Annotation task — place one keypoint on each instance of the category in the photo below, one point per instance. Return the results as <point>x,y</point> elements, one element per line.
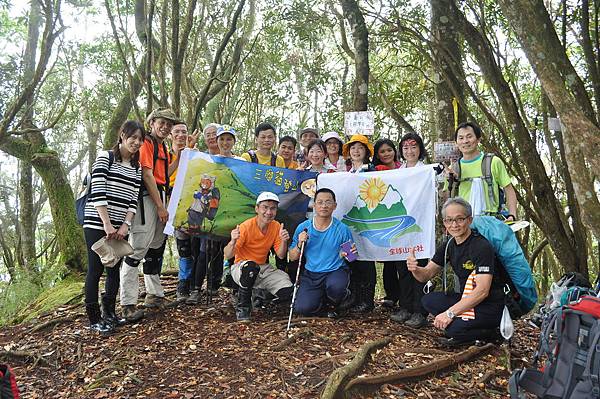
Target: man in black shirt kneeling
<point>475,314</point>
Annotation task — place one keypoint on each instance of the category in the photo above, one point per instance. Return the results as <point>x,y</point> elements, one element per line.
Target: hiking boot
<point>417,320</point>
<point>182,297</point>
<point>332,314</point>
<point>400,316</point>
<point>131,314</point>
<point>183,290</point>
<point>153,301</point>
<point>362,308</point>
<point>242,314</point>
<point>97,323</point>
<point>242,311</point>
<point>388,303</point>
<point>109,313</point>
<point>194,298</point>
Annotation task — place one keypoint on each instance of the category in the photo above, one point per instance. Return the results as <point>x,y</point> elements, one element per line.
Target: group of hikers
<point>130,186</point>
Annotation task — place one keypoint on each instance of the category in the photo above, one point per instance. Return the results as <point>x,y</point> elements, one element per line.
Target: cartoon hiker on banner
<point>205,204</point>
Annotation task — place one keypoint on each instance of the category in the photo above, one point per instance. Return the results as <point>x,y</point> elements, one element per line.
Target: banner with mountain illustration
<point>388,212</point>
<point>213,194</point>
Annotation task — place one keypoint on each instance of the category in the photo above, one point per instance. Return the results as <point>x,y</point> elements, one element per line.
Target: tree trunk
<point>449,70</point>
<point>360,38</point>
<point>62,205</point>
<point>566,90</point>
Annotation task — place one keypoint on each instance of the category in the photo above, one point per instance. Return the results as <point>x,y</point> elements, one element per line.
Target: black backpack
<point>254,158</point>
<point>570,342</point>
<point>87,186</point>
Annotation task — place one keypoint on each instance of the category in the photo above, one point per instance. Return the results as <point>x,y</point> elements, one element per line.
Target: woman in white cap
<point>226,138</point>
<point>334,160</point>
<point>115,181</point>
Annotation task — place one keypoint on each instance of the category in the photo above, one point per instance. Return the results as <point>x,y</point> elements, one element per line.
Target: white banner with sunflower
<point>388,212</point>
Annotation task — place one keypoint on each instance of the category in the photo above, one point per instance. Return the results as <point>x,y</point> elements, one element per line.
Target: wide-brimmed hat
<point>332,135</point>
<point>267,196</point>
<point>111,251</point>
<point>165,113</point>
<point>357,138</point>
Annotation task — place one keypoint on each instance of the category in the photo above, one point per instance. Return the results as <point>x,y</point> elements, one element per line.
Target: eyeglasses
<point>324,203</point>
<point>458,220</point>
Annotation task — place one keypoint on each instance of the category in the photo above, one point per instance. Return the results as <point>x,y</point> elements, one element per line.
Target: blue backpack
<point>513,260</point>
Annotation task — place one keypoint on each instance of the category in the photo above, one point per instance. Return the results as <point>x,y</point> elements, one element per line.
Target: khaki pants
<point>269,278</point>
<point>142,237</point>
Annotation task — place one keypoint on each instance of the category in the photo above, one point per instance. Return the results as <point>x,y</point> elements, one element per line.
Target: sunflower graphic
<point>372,191</point>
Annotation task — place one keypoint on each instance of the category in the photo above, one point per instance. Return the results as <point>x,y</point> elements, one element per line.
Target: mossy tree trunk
<point>27,143</point>
<point>360,38</point>
<point>449,71</point>
<point>567,92</point>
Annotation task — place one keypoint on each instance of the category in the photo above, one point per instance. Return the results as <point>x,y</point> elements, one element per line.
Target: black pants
<point>208,259</point>
<point>96,268</point>
<point>487,316</point>
<point>400,285</point>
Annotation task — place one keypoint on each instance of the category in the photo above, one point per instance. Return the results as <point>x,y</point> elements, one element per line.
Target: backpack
<point>512,258</point>
<point>87,188</point>
<point>486,175</point>
<point>8,383</point>
<point>520,293</point>
<point>254,158</point>
<point>570,341</point>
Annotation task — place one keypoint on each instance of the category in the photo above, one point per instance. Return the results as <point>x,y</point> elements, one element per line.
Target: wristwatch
<point>450,314</point>
<point>128,223</point>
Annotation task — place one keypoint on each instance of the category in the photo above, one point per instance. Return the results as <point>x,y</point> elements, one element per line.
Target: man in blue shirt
<point>326,275</point>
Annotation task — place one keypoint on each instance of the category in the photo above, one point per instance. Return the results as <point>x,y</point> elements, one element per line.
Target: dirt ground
<point>202,352</point>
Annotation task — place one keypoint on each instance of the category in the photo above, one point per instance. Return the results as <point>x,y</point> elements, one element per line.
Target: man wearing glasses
<point>324,282</point>
<point>475,314</point>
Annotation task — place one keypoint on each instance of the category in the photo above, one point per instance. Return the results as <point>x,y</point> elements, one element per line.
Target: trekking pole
<point>208,271</point>
<point>296,283</point>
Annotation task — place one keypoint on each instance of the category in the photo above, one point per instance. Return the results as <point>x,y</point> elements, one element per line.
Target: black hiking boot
<point>244,305</point>
<point>97,323</point>
<point>109,313</point>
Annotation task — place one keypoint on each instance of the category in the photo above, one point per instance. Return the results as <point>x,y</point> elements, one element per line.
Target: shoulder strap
<point>166,152</point>
<point>253,156</point>
<point>154,149</point>
<point>454,180</point>
<point>486,174</point>
<point>111,158</point>
<point>273,159</point>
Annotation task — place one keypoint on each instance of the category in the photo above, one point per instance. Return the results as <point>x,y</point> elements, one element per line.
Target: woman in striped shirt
<point>111,205</point>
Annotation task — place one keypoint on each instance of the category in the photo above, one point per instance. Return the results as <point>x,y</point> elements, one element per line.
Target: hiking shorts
<point>269,278</point>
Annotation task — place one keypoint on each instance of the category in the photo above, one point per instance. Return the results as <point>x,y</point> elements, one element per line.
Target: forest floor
<point>202,352</point>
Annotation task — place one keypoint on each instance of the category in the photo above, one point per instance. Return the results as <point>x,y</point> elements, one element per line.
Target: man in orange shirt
<point>146,235</point>
<point>250,243</point>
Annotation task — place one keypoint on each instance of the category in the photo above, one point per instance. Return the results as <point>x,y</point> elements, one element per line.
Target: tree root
<point>52,322</point>
<point>336,382</point>
<point>420,371</point>
<point>23,355</point>
<point>288,341</point>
